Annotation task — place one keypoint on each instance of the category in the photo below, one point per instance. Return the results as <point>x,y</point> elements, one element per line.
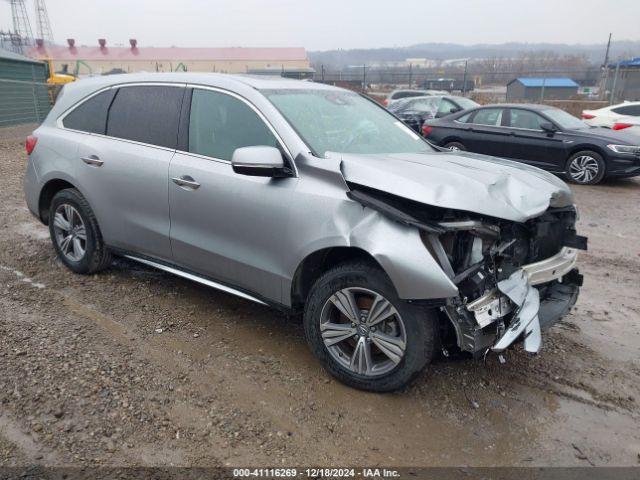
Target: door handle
<point>186,181</point>
<point>92,160</point>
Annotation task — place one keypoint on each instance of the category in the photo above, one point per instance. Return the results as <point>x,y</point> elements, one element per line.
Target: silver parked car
<point>312,199</point>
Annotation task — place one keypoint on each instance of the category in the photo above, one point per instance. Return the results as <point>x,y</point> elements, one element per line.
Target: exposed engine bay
<point>514,278</point>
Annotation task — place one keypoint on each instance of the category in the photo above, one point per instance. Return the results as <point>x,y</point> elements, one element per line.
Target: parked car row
<point>414,111</point>
<point>400,94</point>
<point>538,135</point>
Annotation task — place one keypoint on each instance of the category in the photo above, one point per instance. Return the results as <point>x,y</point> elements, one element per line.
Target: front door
<point>532,145</point>
<point>225,225</point>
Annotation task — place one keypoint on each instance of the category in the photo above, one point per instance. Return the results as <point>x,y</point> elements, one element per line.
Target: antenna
<point>21,25</point>
<point>42,21</point>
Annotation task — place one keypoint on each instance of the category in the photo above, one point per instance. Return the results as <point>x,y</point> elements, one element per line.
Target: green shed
<point>24,93</point>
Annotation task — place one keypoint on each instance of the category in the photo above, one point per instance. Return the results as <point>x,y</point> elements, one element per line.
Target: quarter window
<point>91,115</point>
<point>525,119</point>
<point>631,110</point>
<point>220,123</point>
<point>488,116</point>
<point>146,113</point>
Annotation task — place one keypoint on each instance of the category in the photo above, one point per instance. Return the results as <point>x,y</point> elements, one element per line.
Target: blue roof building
<point>624,80</point>
<point>531,89</point>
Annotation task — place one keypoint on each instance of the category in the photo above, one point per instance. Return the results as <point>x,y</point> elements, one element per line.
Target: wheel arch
<point>588,147</point>
<point>451,138</point>
<point>317,263</point>
<point>47,192</point>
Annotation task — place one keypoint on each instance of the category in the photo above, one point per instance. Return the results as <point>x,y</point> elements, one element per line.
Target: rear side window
<point>220,123</point>
<point>91,115</point>
<point>488,116</point>
<point>147,114</point>
<point>631,110</point>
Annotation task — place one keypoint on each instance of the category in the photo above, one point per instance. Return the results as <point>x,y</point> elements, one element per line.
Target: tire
<point>455,146</point>
<point>585,168</point>
<point>85,252</point>
<point>413,325</point>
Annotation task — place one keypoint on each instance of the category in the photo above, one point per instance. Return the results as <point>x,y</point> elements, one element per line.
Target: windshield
<point>565,120</point>
<point>344,122</point>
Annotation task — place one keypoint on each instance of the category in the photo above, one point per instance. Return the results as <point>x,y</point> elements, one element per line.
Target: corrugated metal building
<point>627,83</point>
<point>24,94</point>
<point>101,59</point>
<point>536,89</point>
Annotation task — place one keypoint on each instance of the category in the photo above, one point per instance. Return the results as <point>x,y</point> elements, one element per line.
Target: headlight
<point>630,149</point>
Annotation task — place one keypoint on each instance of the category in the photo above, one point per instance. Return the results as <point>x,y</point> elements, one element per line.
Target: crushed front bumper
<point>534,307</point>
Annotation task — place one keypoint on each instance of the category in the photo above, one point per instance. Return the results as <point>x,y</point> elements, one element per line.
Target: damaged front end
<point>514,279</point>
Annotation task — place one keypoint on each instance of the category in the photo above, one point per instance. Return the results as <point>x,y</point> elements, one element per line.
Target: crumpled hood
<point>461,181</point>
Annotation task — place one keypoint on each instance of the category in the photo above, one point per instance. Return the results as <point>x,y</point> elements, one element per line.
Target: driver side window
<point>220,123</point>
<point>525,119</point>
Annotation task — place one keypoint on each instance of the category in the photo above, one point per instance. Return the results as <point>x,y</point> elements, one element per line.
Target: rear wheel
<point>585,168</point>
<point>455,146</point>
<point>75,233</point>
<point>362,333</point>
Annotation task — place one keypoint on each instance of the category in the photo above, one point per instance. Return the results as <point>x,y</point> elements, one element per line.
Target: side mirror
<point>259,162</point>
<point>548,127</point>
<point>455,110</point>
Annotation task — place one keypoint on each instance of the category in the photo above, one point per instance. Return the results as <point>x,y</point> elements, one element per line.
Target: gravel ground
<point>133,367</point>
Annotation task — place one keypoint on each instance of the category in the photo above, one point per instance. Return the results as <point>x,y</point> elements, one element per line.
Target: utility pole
<point>364,77</point>
<point>464,78</point>
<point>604,76</point>
<point>613,87</point>
<point>322,70</point>
<point>544,81</point>
<point>410,74</point>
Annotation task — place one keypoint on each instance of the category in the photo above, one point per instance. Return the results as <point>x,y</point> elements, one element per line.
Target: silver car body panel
<point>254,233</point>
<point>495,187</point>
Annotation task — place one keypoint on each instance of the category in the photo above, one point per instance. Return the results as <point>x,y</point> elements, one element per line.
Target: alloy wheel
<point>363,331</point>
<point>70,232</point>
<point>584,169</point>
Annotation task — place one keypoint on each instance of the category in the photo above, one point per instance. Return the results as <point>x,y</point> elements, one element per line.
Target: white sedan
<point>628,124</point>
<point>609,116</point>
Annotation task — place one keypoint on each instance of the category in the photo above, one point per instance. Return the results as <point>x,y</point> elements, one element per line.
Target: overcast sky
<point>330,24</point>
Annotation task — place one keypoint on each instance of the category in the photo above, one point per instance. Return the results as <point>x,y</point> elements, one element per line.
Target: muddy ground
<point>86,379</point>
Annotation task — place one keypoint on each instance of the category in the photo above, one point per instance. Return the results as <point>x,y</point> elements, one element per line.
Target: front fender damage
<point>513,278</point>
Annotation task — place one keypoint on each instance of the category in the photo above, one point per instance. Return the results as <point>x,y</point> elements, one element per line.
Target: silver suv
<point>312,199</point>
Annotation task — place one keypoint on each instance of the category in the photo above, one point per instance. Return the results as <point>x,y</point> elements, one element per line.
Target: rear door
<point>225,225</point>
<point>124,172</point>
<point>485,133</point>
<point>530,144</point>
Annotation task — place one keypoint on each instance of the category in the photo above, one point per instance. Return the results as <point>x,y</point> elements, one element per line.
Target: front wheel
<point>585,168</point>
<point>362,333</point>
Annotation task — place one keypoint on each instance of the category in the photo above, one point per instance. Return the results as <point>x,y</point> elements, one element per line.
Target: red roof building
<point>100,59</point>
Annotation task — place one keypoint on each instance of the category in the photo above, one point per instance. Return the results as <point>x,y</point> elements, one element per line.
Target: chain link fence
<point>23,101</point>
